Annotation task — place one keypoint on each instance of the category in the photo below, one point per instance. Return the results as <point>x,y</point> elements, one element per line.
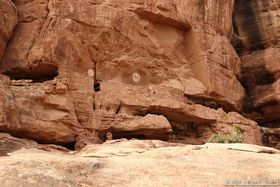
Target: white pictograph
<point>90,73</point>
<point>136,77</point>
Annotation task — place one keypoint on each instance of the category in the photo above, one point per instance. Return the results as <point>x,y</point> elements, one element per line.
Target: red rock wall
<point>257,28</point>
<point>8,20</point>
<point>167,70</point>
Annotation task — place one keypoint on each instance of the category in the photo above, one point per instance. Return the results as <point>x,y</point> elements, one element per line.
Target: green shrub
<point>237,129</point>
<point>236,136</point>
<point>218,138</point>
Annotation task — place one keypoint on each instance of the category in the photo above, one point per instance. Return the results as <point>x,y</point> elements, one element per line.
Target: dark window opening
<point>96,87</point>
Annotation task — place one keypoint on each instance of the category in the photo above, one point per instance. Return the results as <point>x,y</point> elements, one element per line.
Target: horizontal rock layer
<point>81,72</point>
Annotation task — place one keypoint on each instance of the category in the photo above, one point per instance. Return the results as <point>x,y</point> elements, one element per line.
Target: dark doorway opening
<point>96,87</point>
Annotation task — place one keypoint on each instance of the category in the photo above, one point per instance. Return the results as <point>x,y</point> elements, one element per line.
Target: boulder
<point>37,112</point>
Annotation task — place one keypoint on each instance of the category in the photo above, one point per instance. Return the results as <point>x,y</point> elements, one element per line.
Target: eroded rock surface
<point>164,70</point>
<point>149,162</point>
<point>127,85</point>
<point>38,111</point>
<point>160,66</point>
<point>118,104</point>
<point>257,40</point>
<point>8,20</point>
<point>120,38</point>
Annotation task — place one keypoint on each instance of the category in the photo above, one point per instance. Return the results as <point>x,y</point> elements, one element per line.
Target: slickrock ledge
<point>140,163</point>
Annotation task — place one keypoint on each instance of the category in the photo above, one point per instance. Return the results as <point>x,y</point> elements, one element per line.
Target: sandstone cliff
<point>257,27</point>
<point>178,70</point>
<point>112,92</point>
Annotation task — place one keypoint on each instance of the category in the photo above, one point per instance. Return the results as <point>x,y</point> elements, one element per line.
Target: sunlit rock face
<point>133,163</point>
<point>164,70</point>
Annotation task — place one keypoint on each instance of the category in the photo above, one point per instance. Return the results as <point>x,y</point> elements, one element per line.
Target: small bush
<point>235,137</point>
<point>218,138</point>
<point>237,134</point>
<point>237,129</point>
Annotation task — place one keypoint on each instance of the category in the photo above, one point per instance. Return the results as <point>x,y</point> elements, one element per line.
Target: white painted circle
<point>136,77</point>
<point>90,72</point>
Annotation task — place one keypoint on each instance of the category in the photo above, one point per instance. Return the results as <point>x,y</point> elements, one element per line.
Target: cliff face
<point>257,29</point>
<point>171,70</point>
